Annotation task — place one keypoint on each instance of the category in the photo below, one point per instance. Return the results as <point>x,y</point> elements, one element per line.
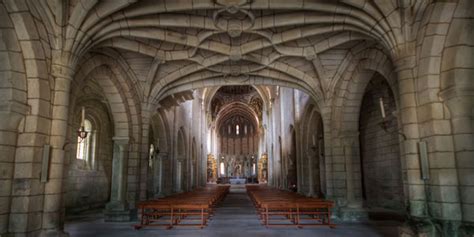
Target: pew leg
<point>266,217</point>
<point>202,218</point>
<point>171,219</point>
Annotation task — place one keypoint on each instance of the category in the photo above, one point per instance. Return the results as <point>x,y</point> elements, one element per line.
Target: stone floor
<point>234,218</point>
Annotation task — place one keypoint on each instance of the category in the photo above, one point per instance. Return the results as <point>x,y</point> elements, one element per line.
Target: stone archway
<point>181,163</point>
<point>291,162</point>
<point>380,162</point>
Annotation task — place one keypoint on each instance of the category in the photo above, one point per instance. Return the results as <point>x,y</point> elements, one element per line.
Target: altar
<point>237,181</point>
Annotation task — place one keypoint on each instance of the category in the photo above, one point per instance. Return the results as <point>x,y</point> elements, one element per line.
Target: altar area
<point>237,181</point>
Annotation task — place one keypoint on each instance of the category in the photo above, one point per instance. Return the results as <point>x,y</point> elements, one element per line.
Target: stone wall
<point>88,182</point>
<point>422,48</point>
<point>380,158</point>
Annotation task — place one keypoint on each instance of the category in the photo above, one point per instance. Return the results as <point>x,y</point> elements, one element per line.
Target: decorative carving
<point>234,28</point>
<point>235,55</point>
<point>233,17</point>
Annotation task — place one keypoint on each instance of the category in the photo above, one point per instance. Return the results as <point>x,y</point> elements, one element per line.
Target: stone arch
<point>125,107</point>
<point>13,107</point>
<point>12,71</point>
<point>256,81</point>
<point>343,126</point>
<point>97,112</point>
<point>112,79</point>
<point>261,90</point>
<point>349,89</point>
<point>379,145</point>
<point>95,175</point>
<point>292,160</point>
<point>159,178</point>
<point>313,150</point>
<point>457,94</point>
<point>161,131</point>
<point>181,161</point>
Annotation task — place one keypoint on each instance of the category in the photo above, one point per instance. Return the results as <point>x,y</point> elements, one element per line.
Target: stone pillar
<point>178,187</point>
<point>158,174</point>
<point>326,114</point>
<point>460,102</point>
<point>353,210</point>
<point>10,115</point>
<point>53,205</point>
<point>311,156</point>
<point>117,209</point>
<point>413,185</point>
<point>351,157</point>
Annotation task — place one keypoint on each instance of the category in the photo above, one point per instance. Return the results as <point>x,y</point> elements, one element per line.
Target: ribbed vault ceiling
<point>173,45</point>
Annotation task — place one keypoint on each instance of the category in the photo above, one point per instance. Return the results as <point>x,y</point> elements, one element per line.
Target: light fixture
<point>82,133</point>
<point>388,120</point>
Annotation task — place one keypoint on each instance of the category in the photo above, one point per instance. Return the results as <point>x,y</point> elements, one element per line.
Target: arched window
<point>84,150</point>
<point>150,156</point>
<point>237,129</point>
<point>222,168</point>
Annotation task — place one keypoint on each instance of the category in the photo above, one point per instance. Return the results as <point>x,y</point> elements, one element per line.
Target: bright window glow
<point>150,156</point>
<point>253,169</point>
<point>222,168</point>
<point>237,130</point>
<point>84,145</point>
<point>208,141</point>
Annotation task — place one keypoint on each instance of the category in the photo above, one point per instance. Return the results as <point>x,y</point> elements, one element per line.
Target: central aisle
<point>236,211</point>
<point>235,216</point>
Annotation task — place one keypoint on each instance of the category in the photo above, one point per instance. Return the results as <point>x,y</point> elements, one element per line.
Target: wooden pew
<point>185,209</point>
<point>296,210</point>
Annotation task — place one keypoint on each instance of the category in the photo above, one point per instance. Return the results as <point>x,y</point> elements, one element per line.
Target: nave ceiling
<point>174,46</point>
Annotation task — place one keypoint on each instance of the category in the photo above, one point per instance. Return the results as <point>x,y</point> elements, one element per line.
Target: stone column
<point>10,115</point>
<point>413,185</point>
<point>53,206</point>
<point>158,174</point>
<point>326,113</point>
<point>117,209</point>
<point>460,102</point>
<point>311,156</point>
<point>350,155</point>
<point>353,210</point>
<point>178,187</point>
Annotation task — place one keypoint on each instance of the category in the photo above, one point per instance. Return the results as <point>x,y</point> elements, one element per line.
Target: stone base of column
<point>117,212</point>
<point>53,233</point>
<point>353,214</point>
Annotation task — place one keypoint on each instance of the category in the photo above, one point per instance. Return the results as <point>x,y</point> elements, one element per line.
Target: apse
<point>236,112</point>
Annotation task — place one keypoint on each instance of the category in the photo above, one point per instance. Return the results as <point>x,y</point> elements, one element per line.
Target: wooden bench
<point>283,208</point>
<point>185,209</point>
